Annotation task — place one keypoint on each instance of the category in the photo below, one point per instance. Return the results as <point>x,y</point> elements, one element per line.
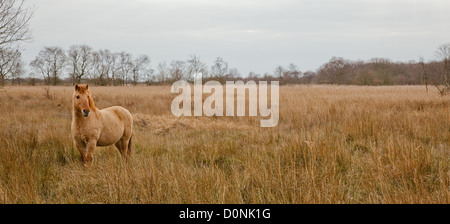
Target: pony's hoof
<point>87,163</point>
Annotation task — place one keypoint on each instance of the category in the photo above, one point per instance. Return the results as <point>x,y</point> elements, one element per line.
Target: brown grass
<point>333,144</point>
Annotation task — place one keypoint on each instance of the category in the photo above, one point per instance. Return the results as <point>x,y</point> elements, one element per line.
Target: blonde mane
<point>91,101</point>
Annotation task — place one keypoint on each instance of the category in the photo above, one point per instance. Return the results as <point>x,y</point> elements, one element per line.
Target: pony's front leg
<point>82,149</point>
<point>90,146</point>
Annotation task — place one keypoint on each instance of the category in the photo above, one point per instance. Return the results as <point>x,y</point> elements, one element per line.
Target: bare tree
<point>139,66</point>
<point>100,68</point>
<point>11,64</point>
<point>163,73</point>
<point>49,63</point>
<point>294,72</point>
<point>177,70</point>
<point>307,77</point>
<point>442,81</point>
<point>114,62</point>
<point>149,76</point>
<point>194,65</point>
<point>252,75</point>
<point>105,67</point>
<point>383,68</point>
<point>40,67</point>
<point>335,71</point>
<point>219,68</point>
<point>18,71</point>
<point>14,18</point>
<point>423,74</point>
<point>233,73</point>
<point>290,75</point>
<point>278,73</point>
<point>79,62</point>
<point>124,66</point>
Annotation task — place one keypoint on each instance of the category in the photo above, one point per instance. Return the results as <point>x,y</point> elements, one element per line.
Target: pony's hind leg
<point>129,146</point>
<point>122,146</point>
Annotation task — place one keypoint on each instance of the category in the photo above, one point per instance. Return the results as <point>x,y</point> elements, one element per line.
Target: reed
<point>333,144</point>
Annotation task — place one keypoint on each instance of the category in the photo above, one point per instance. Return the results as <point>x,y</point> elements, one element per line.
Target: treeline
<point>80,63</point>
<point>54,65</point>
<point>376,71</point>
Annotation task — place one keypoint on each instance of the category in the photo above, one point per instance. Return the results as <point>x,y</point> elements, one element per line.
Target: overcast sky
<point>251,35</point>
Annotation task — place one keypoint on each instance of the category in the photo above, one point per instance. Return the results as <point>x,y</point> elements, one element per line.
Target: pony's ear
<point>87,86</point>
<point>77,87</point>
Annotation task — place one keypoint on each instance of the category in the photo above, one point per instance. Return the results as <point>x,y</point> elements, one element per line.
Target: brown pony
<point>92,127</point>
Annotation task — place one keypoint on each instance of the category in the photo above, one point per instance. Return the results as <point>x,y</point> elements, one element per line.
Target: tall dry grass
<point>333,144</point>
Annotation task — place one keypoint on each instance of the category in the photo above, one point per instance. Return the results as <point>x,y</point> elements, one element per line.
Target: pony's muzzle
<point>85,113</point>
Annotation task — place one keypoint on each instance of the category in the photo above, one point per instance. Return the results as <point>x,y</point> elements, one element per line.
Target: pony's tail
<point>129,145</point>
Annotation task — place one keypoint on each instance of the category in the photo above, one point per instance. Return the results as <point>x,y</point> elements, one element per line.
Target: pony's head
<point>82,100</point>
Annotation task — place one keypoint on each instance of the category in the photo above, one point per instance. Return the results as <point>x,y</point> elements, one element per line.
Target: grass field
<point>333,144</point>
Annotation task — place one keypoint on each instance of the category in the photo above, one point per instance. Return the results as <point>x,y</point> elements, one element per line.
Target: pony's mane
<point>91,101</point>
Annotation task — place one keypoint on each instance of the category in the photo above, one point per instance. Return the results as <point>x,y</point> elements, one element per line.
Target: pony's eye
<point>78,97</point>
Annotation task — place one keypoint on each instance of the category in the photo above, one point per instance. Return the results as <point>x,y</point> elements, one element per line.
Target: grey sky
<point>251,35</point>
